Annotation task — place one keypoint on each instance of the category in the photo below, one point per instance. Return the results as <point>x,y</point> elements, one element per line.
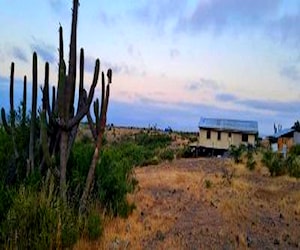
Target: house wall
<point>296,137</point>
<point>287,141</point>
<point>225,141</point>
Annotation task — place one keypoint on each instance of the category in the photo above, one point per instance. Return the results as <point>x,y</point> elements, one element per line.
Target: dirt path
<point>208,204</point>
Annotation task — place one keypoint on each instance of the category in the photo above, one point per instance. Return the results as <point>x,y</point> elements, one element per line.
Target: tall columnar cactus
<point>11,129</point>
<point>60,120</point>
<point>97,129</point>
<point>67,120</point>
<point>24,102</point>
<point>32,140</point>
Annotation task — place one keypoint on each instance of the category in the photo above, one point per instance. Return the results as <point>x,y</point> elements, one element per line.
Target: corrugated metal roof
<point>283,132</point>
<point>229,125</point>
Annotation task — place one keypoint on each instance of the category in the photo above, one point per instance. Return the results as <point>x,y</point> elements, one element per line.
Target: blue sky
<point>173,61</point>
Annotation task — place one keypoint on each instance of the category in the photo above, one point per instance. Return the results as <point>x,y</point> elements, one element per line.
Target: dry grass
<point>176,209</point>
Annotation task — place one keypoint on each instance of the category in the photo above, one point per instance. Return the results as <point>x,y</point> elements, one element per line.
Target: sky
<point>173,61</point>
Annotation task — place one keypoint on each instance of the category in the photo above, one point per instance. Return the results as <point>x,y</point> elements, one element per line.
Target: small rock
<point>237,239</point>
<point>159,235</point>
<point>276,242</point>
<point>127,228</point>
<point>249,241</point>
<point>285,237</point>
<point>212,204</point>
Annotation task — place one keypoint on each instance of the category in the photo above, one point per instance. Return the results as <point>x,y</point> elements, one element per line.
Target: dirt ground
<point>207,203</point>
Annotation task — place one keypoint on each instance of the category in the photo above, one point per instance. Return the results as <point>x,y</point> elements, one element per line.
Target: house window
<point>244,138</point>
<point>208,134</point>
<point>219,135</point>
<point>229,135</point>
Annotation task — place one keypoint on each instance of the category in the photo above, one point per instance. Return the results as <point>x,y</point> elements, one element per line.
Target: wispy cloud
<point>46,51</point>
<point>290,72</point>
<point>226,97</point>
<point>286,29</point>
<point>19,54</point>
<point>174,53</point>
<point>135,53</point>
<point>288,107</point>
<point>106,19</point>
<point>261,105</point>
<point>203,83</point>
<point>117,68</point>
<point>218,15</point>
<point>159,13</point>
<point>59,7</point>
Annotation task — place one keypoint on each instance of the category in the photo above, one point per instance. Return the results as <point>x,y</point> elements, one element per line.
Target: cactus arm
<point>73,53</point>
<point>61,90</point>
<point>61,74</point>
<point>53,99</point>
<point>11,96</point>
<point>24,102</point>
<point>85,108</point>
<point>91,173</point>
<point>44,138</point>
<point>81,72</point>
<point>46,103</point>
<point>97,115</point>
<point>4,121</point>
<point>91,125</point>
<point>33,114</point>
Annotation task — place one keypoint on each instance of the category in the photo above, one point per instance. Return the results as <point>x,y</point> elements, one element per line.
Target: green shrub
<point>151,161</point>
<point>78,167</point>
<point>113,181</point>
<point>277,165</point>
<point>293,165</point>
<point>251,163</point>
<point>184,152</point>
<point>136,155</point>
<point>6,199</point>
<point>153,141</point>
<point>167,154</point>
<point>94,225</point>
<point>295,150</point>
<point>236,152</point>
<point>6,151</point>
<point>208,183</point>
<point>70,227</point>
<point>274,162</point>
<point>35,220</point>
<point>13,171</point>
<point>30,223</point>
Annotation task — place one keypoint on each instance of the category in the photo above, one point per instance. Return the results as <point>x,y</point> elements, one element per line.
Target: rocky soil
<point>207,203</point>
